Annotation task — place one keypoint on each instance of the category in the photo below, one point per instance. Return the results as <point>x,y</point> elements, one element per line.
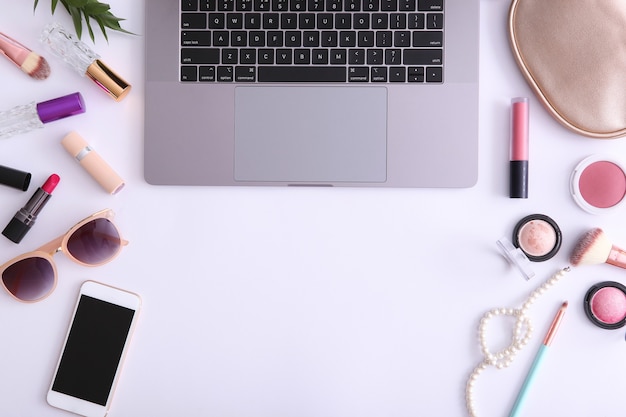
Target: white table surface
<point>307,302</point>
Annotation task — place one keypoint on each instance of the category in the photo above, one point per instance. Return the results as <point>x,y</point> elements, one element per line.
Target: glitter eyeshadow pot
<point>598,184</point>
<point>538,236</point>
<point>605,305</point>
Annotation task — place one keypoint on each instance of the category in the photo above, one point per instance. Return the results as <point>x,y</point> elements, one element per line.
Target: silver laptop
<point>380,93</point>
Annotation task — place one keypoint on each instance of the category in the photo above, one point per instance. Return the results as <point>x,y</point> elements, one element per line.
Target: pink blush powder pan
<point>598,184</point>
<point>538,236</point>
<point>605,305</point>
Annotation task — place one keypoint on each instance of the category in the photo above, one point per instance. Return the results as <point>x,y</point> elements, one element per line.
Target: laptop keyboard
<point>312,41</point>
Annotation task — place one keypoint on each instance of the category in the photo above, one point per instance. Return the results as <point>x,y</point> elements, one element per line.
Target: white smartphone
<point>94,349</point>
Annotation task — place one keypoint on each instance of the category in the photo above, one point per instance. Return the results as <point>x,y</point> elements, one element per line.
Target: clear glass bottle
<point>24,118</point>
<point>83,60</point>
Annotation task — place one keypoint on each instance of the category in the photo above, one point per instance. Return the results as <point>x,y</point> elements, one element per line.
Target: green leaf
<point>89,9</point>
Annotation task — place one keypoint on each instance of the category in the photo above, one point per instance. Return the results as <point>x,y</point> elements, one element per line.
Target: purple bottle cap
<point>60,108</point>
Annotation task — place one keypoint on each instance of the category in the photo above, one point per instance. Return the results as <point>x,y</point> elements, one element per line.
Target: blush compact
<point>538,236</point>
<point>605,305</point>
<point>598,184</point>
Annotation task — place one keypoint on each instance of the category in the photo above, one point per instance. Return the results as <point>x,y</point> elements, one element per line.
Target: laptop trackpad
<point>311,134</point>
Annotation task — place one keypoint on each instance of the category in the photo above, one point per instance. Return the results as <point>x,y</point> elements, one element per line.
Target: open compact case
<point>586,95</point>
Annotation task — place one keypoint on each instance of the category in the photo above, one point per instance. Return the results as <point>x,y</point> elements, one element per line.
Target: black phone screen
<point>93,350</point>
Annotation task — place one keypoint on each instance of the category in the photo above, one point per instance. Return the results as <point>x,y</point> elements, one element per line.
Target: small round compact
<point>605,305</point>
<point>598,184</point>
<point>538,236</point>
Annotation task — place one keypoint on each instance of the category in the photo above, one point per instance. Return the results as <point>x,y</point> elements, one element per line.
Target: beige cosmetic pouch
<point>573,55</point>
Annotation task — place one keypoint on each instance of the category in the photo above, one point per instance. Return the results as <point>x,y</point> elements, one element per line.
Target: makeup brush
<point>30,62</point>
<point>595,248</point>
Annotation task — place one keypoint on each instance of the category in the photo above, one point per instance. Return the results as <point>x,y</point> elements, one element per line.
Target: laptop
<point>363,93</point>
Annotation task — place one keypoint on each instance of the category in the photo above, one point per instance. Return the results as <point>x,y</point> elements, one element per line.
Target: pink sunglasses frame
<point>59,244</point>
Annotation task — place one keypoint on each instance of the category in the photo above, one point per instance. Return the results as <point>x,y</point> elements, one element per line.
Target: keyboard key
<point>315,5</point>
<point>208,5</point>
<point>371,5</point>
<point>217,20</point>
<point>226,5</point>
<point>428,5</point>
<point>229,56</point>
<point>275,39</point>
<point>401,38</point>
<point>188,73</point>
<point>288,21</point>
<point>375,57</point>
<point>195,38</point>
<point>338,56</point>
<point>306,21</point>
<point>379,74</point>
<point>416,21</point>
<point>206,74</point>
<point>434,21</point>
<point>365,39</point>
<point>416,74</point>
<point>434,74</point>
<point>252,20</point>
<point>238,38</point>
<point>423,57</point>
<point>352,5</point>
<point>245,74</point>
<point>225,74</point>
<point>361,21</point>
<point>293,39</point>
<point>297,5</point>
<point>356,56</point>
<point>244,5</point>
<point>433,39</point>
<point>358,74</point>
<point>384,39</point>
<point>347,39</point>
<point>221,38</point>
<point>247,56</point>
<point>302,74</point>
<point>200,56</point>
<point>284,56</point>
<point>234,21</point>
<point>343,21</point>
<point>407,5</point>
<point>380,21</point>
<point>311,39</point>
<point>266,56</point>
<point>271,21</point>
<point>397,21</point>
<point>330,39</point>
<point>189,5</point>
<point>397,74</point>
<point>389,5</point>
<point>302,56</point>
<point>262,5</point>
<point>334,5</point>
<point>193,20</point>
<point>393,57</point>
<point>280,5</point>
<point>319,56</point>
<point>256,38</point>
<point>325,21</point>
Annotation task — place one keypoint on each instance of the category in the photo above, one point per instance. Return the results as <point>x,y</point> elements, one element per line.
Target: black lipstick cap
<point>14,178</point>
<point>518,186</point>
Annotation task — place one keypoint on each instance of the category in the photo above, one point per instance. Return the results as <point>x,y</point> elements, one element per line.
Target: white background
<point>308,302</point>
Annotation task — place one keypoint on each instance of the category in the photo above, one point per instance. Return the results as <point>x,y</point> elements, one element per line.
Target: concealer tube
<point>93,163</point>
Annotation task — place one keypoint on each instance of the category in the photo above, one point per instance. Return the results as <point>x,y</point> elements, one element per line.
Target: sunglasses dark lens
<point>29,279</point>
<point>94,242</point>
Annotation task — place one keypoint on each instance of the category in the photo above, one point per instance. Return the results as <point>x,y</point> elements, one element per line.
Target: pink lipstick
<point>519,148</point>
<point>25,218</point>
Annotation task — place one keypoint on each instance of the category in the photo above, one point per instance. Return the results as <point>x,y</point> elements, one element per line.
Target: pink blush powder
<point>609,305</point>
<point>602,184</point>
<point>537,238</point>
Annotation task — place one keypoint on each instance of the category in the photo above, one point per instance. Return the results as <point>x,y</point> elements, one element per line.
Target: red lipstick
<point>25,218</point>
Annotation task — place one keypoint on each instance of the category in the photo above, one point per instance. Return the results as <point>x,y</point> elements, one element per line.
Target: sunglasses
<point>91,242</point>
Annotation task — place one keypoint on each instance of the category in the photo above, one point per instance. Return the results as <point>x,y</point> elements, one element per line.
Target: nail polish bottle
<point>22,119</point>
<point>84,60</point>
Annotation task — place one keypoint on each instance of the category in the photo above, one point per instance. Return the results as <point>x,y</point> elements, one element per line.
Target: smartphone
<point>94,348</point>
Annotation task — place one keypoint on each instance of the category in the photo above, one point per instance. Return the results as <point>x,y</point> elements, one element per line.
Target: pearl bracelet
<point>521,336</point>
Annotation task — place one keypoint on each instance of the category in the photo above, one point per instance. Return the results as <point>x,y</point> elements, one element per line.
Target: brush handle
<point>12,49</point>
<point>617,257</point>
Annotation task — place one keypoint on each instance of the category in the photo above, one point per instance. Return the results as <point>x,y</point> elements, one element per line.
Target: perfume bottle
<point>85,61</point>
<point>22,119</point>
